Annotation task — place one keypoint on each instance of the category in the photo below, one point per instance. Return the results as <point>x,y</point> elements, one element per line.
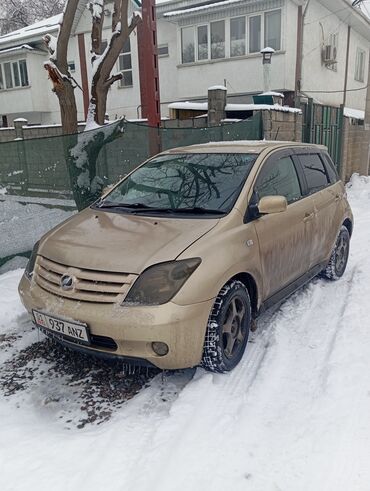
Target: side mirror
<point>272,204</point>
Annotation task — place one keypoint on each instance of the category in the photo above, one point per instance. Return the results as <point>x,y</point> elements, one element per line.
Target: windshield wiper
<point>141,207</point>
<point>133,206</point>
<point>196,210</point>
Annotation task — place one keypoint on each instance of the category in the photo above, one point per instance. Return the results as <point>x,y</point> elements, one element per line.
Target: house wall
<point>37,102</point>
<point>243,74</point>
<point>319,24</point>
<point>20,100</point>
<point>356,99</point>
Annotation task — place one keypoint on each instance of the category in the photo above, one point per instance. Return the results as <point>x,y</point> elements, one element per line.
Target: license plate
<point>61,328</point>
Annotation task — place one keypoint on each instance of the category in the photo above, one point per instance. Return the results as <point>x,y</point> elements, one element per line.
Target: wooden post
<point>149,73</point>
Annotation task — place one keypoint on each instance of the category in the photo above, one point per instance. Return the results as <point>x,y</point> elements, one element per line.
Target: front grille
<point>88,285</point>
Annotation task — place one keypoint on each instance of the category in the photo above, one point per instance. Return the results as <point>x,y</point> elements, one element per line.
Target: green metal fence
<point>323,125</point>
<point>35,171</point>
<point>37,167</point>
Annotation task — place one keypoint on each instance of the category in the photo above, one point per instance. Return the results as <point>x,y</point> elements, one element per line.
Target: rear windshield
<point>184,181</point>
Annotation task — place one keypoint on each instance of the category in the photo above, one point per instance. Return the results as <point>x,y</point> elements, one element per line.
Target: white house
<point>200,44</point>
<point>212,42</point>
<point>25,90</point>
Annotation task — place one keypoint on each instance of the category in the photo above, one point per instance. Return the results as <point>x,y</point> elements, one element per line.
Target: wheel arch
<point>349,226</point>
<point>251,285</point>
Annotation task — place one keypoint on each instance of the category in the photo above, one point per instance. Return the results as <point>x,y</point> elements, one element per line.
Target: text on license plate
<point>62,327</point>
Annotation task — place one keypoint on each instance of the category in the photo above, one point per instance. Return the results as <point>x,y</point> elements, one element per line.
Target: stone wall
<point>282,126</point>
<point>21,130</point>
<point>353,140</point>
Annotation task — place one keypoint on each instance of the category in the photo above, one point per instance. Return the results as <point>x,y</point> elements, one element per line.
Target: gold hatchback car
<point>173,265</point>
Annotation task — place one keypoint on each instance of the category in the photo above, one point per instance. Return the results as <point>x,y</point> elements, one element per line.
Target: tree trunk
<point>98,103</point>
<point>83,155</point>
<point>68,109</point>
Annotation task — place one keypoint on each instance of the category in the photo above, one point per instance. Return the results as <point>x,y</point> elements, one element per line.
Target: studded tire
<point>227,329</point>
<point>339,256</point>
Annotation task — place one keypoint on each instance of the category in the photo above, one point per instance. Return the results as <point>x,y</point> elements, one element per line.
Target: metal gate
<point>323,125</point>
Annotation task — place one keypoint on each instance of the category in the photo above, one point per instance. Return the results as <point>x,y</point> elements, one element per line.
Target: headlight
<point>31,262</point>
<point>159,283</point>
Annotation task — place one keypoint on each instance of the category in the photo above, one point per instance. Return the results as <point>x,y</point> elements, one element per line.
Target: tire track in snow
<point>228,394</point>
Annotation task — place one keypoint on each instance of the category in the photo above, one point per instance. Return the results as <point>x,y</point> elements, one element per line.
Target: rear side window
<point>279,178</point>
<point>314,171</point>
<point>330,168</point>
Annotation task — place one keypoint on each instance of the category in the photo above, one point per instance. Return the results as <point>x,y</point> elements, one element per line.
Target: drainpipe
<point>299,55</point>
<point>346,70</point>
<point>342,125</point>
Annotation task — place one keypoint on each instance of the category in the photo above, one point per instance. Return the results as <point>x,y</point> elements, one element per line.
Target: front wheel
<point>227,329</point>
<point>339,256</point>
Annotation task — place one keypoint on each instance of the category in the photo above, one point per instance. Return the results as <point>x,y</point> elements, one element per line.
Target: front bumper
<point>133,328</point>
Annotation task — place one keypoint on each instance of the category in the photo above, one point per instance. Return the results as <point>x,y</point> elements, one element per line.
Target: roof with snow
<point>354,113</point>
<point>354,17</point>
<point>24,47</point>
<point>202,7</point>
<point>35,31</point>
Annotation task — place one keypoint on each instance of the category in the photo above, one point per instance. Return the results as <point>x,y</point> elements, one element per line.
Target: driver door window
<point>279,178</point>
<point>284,238</point>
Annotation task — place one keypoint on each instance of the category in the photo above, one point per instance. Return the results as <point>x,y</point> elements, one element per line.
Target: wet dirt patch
<point>73,388</point>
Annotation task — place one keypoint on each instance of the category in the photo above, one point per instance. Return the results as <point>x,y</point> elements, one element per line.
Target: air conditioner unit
<point>329,54</point>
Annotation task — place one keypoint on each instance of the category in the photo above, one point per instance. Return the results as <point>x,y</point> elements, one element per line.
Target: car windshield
<point>180,182</point>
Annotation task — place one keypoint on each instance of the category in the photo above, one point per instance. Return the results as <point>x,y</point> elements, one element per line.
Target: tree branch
<point>65,34</point>
<point>97,12</point>
<point>116,14</point>
<point>114,78</point>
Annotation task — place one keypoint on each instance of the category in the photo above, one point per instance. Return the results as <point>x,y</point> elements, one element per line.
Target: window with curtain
<point>218,39</point>
<point>187,45</point>
<point>255,34</point>
<point>203,42</point>
<point>273,29</point>
<point>237,36</point>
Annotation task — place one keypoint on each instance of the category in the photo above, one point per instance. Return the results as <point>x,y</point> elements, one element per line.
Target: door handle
<point>308,216</point>
<point>337,197</point>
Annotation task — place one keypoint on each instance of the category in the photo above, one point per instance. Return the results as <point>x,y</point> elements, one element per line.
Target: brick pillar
<point>216,105</point>
<point>18,127</point>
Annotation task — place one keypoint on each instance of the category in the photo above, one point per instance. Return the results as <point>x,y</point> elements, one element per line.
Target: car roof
<point>241,146</point>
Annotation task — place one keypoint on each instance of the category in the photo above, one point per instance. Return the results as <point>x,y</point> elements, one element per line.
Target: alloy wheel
<point>234,328</point>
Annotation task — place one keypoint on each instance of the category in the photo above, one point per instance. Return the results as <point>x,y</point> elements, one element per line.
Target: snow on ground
<point>293,416</point>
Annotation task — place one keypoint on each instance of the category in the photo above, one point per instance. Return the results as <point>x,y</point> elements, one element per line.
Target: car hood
<point>107,241</point>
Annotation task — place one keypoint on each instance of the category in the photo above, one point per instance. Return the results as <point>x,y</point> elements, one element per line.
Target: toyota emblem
<point>66,282</point>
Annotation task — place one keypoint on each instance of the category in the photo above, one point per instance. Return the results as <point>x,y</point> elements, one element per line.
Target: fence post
<point>340,140</point>
<point>308,121</point>
<point>21,150</point>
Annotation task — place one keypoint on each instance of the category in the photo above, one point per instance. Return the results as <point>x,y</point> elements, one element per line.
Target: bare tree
<point>82,156</point>
<point>57,66</point>
<point>15,14</point>
<point>103,63</point>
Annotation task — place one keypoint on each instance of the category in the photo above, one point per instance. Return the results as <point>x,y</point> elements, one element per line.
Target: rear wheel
<point>339,256</point>
<point>227,329</point>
